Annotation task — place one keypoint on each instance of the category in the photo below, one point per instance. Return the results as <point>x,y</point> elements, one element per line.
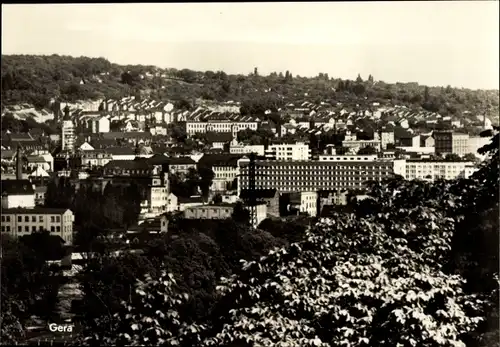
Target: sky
<point>432,43</point>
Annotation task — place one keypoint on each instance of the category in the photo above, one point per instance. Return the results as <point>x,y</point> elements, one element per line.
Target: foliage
<point>353,281</point>
<point>37,79</point>
<point>29,287</point>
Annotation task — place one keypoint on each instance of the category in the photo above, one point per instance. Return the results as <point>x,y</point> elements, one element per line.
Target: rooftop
<point>35,210</point>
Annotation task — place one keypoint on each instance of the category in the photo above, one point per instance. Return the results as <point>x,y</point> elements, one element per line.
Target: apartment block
<point>432,170</point>
<point>295,152</point>
<point>306,176</point>
<point>17,222</point>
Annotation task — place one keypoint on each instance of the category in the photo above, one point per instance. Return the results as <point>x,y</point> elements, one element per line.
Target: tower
<point>67,132</point>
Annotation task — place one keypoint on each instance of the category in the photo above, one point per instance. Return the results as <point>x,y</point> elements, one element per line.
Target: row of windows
<point>27,229</point>
<point>53,219</point>
<point>318,167</point>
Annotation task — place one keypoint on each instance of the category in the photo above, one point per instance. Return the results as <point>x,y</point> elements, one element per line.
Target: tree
<point>426,94</point>
<point>359,79</point>
<point>255,72</point>
<point>470,157</point>
<point>368,150</point>
<point>370,79</point>
<point>241,214</point>
<point>452,157</point>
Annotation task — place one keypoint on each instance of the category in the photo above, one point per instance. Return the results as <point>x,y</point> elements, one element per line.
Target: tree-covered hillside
<point>37,79</point>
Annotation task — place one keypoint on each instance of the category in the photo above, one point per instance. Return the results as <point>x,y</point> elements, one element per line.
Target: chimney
<point>19,164</point>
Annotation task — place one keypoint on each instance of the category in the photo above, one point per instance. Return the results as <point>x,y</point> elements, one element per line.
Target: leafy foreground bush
<point>354,282</point>
<point>392,275</point>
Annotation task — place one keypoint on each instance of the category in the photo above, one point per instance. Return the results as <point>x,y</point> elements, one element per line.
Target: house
<point>426,141</point>
<point>270,196</point>
<point>121,153</point>
<point>86,147</point>
<point>34,162</point>
<point>184,203</point>
<point>17,194</point>
<point>176,164</point>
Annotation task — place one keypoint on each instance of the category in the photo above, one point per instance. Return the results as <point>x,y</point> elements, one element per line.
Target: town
<point>153,206</point>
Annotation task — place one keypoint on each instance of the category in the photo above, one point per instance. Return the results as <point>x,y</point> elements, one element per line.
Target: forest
<point>415,265</point>
<point>38,79</point>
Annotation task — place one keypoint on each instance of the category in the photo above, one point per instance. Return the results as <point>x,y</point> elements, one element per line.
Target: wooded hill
<point>36,79</point>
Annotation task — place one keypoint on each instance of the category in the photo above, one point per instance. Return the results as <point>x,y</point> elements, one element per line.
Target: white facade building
<point>247,149</point>
<point>289,152</point>
<point>432,170</point>
<point>67,135</point>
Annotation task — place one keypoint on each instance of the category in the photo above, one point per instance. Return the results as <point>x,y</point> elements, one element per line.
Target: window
<point>3,228</point>
<point>52,229</point>
<point>7,228</point>
<point>3,218</point>
<point>58,229</point>
<point>7,218</point>
<point>52,219</point>
<point>40,228</point>
<point>40,219</point>
<point>27,229</point>
<point>20,229</point>
<point>33,229</point>
<point>19,218</point>
<point>33,219</point>
<point>26,219</point>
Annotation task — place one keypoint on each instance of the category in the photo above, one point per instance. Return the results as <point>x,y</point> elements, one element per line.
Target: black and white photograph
<point>250,174</point>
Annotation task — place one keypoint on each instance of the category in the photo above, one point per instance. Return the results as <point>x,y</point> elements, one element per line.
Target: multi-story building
<point>219,126</point>
<point>18,222</point>
<point>270,197</point>
<point>67,132</point>
<point>151,180</point>
<point>385,138</point>
<point>307,176</point>
<point>247,149</point>
<point>437,169</point>
<point>225,168</point>
<point>356,145</point>
<point>348,158</point>
<point>477,142</point>
<point>447,142</point>
<point>305,202</point>
<point>289,152</point>
<point>17,194</point>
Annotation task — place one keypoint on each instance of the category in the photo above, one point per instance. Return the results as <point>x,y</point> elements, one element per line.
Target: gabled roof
<point>17,187</point>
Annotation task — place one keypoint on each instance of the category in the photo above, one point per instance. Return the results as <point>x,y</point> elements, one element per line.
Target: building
<point>477,142</point>
<point>100,125</point>
<point>447,142</point>
<point>225,168</point>
<point>437,169</point>
<point>289,152</point>
<point>307,176</point>
<point>212,211</point>
<point>386,137</point>
<point>17,222</point>
<point>67,132</point>
<point>271,197</point>
<point>356,145</point>
<point>247,149</point>
<point>17,194</point>
<point>304,202</point>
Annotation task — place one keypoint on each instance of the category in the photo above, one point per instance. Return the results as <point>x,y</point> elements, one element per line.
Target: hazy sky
<point>434,43</point>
